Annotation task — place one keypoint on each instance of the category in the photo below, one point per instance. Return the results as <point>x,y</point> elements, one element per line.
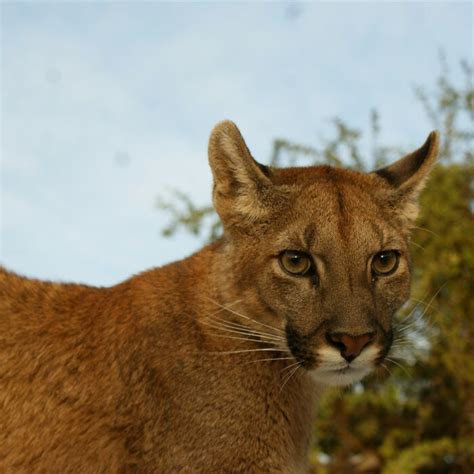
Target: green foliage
<point>422,456</point>
<point>417,414</point>
<point>185,214</point>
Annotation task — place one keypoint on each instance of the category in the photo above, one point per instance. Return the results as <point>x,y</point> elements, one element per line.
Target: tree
<point>416,414</point>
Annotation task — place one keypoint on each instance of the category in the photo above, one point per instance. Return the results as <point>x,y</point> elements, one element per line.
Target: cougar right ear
<point>407,176</point>
<point>410,172</point>
<point>240,183</point>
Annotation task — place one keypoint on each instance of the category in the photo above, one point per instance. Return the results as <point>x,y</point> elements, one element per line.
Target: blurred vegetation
<point>417,414</point>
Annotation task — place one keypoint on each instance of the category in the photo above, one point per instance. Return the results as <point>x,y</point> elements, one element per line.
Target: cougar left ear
<point>241,185</point>
<point>408,175</point>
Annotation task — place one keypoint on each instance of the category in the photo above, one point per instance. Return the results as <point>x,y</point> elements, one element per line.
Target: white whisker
<point>269,359</point>
<point>417,245</point>
<point>223,308</point>
<point>245,317</point>
<point>288,377</point>
<point>387,369</point>
<point>399,365</point>
<point>263,349</point>
<point>243,330</point>
<point>243,339</point>
<point>427,307</point>
<point>419,301</point>
<point>291,365</point>
<point>407,343</point>
<point>426,230</point>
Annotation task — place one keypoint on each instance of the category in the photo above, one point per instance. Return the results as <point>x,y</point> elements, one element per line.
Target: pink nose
<point>349,346</point>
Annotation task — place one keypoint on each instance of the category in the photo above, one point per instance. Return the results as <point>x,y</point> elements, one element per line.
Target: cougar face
<point>335,274</point>
<point>320,253</point>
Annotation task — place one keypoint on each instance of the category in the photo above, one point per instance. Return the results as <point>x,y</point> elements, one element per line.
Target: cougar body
<point>214,363</point>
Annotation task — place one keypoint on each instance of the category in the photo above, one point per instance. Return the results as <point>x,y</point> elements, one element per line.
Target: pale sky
<point>106,105</point>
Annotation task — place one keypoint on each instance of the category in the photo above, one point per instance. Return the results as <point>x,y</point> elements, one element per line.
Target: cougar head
<point>319,253</point>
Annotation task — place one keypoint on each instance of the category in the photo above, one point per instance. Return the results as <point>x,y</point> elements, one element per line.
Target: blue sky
<point>104,106</point>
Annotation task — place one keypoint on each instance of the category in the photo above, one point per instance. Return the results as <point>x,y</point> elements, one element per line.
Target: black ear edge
<point>402,171</point>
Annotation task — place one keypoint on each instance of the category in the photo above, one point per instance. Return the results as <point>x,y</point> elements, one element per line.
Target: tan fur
<point>145,376</point>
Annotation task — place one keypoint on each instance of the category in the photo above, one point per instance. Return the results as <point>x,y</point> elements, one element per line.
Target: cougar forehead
<point>330,214</point>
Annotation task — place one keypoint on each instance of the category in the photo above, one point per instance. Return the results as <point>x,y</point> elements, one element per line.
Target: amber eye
<point>385,263</point>
<point>294,262</point>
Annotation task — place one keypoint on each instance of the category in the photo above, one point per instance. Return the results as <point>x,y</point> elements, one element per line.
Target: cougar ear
<point>407,176</point>
<point>241,185</point>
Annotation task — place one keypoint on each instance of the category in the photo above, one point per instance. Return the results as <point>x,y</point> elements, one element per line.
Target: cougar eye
<point>294,262</point>
<point>385,263</point>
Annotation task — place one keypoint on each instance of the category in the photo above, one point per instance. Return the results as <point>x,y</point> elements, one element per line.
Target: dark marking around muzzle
<point>299,346</point>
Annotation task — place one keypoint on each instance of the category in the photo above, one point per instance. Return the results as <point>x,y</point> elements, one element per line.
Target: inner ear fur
<point>407,176</point>
<point>241,185</point>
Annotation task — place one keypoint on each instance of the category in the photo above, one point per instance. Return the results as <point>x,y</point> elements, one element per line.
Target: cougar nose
<point>349,346</point>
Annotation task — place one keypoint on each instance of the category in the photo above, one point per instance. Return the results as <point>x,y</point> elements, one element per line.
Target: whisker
<point>402,347</point>
<point>434,296</point>
<point>262,349</point>
<point>234,324</point>
<point>413,318</point>
<point>290,366</point>
<point>241,330</point>
<point>399,365</point>
<point>245,317</point>
<point>404,343</point>
<point>426,230</point>
<point>406,329</point>
<point>288,377</point>
<point>257,336</point>
<point>223,308</point>
<point>289,374</point>
<point>414,310</point>
<point>419,301</point>
<point>387,369</point>
<point>398,357</point>
<point>269,359</point>
<point>417,245</point>
<point>243,339</point>
<point>428,306</point>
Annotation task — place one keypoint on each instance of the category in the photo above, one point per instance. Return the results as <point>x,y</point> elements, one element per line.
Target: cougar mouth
<point>334,370</point>
<point>340,377</point>
<point>326,364</point>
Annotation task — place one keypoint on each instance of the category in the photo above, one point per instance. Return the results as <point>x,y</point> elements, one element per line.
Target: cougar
<point>214,364</point>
